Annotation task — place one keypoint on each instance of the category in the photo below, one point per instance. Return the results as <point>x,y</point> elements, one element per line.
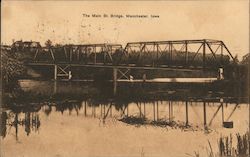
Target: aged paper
<point>125,78</point>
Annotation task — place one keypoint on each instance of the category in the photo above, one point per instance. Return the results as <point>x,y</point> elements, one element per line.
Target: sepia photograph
<point>123,78</point>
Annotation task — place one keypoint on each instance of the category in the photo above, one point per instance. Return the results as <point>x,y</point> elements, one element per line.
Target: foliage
<point>11,68</point>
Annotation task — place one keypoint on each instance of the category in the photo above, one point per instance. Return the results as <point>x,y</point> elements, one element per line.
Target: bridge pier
<point>119,73</point>
<point>62,71</point>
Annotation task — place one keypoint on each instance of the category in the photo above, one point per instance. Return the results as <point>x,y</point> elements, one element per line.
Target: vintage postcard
<point>125,78</point>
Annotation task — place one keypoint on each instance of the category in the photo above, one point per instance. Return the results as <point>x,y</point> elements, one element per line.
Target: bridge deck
<point>122,66</point>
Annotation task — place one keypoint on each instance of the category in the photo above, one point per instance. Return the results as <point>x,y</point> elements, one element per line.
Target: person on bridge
<point>220,74</point>
<point>131,78</point>
<point>70,75</point>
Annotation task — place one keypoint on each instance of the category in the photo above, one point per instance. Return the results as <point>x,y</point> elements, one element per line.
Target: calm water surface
<point>62,124</point>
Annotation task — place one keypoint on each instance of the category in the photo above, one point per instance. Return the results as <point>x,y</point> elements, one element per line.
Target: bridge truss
<point>185,53</point>
<point>86,54</point>
<point>179,53</point>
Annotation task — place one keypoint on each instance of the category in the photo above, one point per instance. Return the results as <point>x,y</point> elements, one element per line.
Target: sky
<point>63,22</point>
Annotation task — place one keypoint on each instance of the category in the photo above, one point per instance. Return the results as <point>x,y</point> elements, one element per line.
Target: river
<point>62,119</point>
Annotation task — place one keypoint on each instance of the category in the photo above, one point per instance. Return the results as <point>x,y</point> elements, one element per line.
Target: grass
<point>228,147</point>
<point>241,149</point>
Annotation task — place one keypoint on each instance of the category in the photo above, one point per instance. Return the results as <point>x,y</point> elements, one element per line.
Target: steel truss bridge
<point>177,55</point>
<point>174,54</point>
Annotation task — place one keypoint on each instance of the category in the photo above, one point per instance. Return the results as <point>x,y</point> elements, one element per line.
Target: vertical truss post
<point>143,49</point>
<point>65,52</point>
<point>55,72</point>
<point>70,55</point>
<point>157,54</point>
<point>186,53</point>
<point>86,55</point>
<point>104,54</point>
<point>204,55</point>
<point>152,56</point>
<point>95,54</point>
<point>221,53</point>
<point>78,54</point>
<point>170,51</point>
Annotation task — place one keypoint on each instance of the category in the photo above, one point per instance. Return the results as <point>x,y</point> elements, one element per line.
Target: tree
<point>11,69</point>
<point>246,59</point>
<point>48,43</point>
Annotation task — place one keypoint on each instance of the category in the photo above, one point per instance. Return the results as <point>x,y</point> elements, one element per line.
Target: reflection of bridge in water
<point>206,113</point>
<point>159,110</point>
